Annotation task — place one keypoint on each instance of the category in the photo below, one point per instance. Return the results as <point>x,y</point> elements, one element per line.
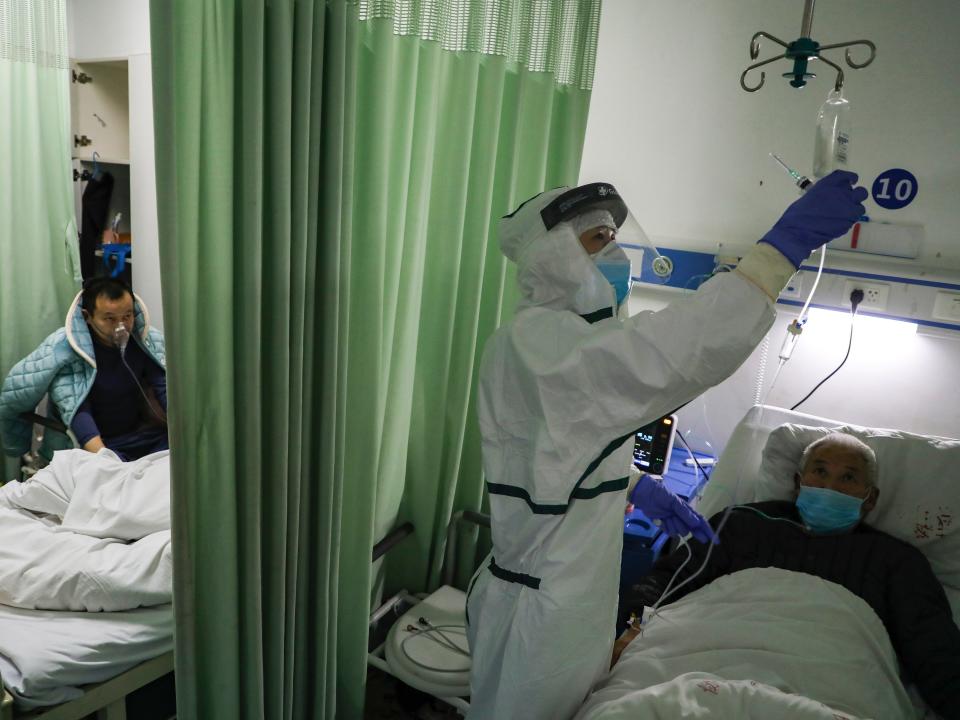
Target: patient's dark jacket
<point>893,577</point>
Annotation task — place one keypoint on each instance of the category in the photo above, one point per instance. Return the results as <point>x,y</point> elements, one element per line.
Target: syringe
<point>803,182</point>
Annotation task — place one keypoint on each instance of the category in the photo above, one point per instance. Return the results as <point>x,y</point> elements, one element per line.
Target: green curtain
<point>500,134</point>
<point>328,188</point>
<point>39,269</point>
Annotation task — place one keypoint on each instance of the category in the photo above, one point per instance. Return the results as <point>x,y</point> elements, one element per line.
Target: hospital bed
<point>66,664</point>
<point>770,643</point>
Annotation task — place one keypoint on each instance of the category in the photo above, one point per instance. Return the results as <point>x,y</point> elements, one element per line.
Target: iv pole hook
<point>754,53</point>
<point>802,50</point>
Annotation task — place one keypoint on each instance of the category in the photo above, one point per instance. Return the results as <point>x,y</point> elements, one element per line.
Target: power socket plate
<point>946,306</point>
<point>875,295</point>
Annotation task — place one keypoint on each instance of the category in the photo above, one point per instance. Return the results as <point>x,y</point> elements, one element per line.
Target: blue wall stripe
<point>688,265</point>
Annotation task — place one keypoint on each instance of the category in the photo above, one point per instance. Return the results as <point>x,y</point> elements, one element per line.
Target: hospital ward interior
<point>486,359</point>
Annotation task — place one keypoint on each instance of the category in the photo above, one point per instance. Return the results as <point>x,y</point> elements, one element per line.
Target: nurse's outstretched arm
<point>618,376</point>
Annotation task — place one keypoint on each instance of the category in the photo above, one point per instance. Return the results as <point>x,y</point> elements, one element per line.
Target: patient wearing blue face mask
<point>824,532</point>
<point>836,485</point>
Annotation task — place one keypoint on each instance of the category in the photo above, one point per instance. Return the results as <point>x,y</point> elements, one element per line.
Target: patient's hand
<point>621,644</point>
<point>94,444</point>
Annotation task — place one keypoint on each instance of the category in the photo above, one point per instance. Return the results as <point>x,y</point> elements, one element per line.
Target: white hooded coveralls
<point>560,399</point>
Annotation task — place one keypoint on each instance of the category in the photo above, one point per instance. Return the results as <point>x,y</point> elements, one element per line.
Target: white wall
<point>671,127</point>
<point>143,192</point>
<point>120,29</point>
<point>101,29</point>
<point>906,383</point>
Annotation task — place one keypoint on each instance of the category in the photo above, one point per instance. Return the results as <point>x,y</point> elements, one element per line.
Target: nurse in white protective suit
<point>563,388</point>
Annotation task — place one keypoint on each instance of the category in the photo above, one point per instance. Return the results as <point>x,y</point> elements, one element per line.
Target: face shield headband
<point>595,196</point>
<point>604,196</point>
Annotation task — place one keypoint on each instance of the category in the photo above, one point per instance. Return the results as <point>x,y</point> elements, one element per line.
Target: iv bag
<point>831,150</point>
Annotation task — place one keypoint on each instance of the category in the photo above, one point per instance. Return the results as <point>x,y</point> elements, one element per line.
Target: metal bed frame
<point>106,699</point>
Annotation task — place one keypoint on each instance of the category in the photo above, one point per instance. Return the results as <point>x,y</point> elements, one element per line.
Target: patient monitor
<point>653,445</point>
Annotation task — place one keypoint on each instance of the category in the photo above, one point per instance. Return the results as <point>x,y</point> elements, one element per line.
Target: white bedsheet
<point>45,656</point>
<point>759,643</point>
<point>88,533</point>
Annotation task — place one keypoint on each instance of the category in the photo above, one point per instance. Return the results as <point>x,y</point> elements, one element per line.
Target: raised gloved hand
<point>828,210</point>
<point>675,516</point>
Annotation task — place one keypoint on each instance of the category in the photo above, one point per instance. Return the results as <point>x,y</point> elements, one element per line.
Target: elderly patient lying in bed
<point>821,534</point>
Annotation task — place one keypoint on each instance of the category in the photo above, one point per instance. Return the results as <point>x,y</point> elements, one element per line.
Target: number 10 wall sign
<point>894,188</point>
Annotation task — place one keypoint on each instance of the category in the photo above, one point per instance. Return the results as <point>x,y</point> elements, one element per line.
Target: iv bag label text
<point>894,189</point>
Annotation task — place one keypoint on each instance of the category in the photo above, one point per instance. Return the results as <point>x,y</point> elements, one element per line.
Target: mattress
<point>45,656</point>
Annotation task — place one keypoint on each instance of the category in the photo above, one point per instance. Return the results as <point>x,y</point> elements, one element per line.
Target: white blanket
<point>88,532</point>
<point>759,643</point>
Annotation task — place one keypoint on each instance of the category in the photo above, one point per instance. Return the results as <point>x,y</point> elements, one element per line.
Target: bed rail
<point>6,704</point>
<point>106,699</point>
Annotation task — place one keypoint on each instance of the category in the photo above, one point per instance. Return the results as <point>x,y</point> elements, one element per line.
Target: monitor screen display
<point>653,445</point>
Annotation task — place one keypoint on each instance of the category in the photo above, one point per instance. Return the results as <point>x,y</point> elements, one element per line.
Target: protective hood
<point>553,269</point>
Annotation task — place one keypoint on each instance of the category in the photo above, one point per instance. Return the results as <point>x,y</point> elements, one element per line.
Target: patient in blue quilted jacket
<point>104,372</point>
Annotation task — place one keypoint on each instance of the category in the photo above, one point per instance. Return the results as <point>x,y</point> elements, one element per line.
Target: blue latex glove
<point>675,516</point>
<point>828,210</point>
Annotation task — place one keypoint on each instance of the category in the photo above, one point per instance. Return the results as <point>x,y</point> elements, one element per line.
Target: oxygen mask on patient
<point>121,336</point>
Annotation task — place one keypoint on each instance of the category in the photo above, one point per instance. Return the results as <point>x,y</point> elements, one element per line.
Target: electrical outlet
<point>874,294</point>
<point>946,306</point>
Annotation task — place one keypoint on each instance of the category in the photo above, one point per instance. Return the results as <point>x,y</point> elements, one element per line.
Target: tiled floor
<point>388,699</point>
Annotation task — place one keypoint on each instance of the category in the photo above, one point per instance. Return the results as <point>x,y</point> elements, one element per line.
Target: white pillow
<point>919,483</point>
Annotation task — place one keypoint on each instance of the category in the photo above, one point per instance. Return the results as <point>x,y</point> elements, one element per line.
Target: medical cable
<point>762,514</point>
<point>786,351</point>
<point>122,346</point>
<point>444,641</point>
<point>693,457</point>
<point>853,312</point>
<point>794,330</point>
<point>670,589</point>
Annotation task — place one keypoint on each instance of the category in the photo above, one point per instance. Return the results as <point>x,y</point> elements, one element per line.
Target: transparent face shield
<point>631,237</point>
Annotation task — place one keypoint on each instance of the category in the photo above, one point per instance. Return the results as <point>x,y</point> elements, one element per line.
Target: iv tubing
<point>670,589</point>
<point>816,281</point>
